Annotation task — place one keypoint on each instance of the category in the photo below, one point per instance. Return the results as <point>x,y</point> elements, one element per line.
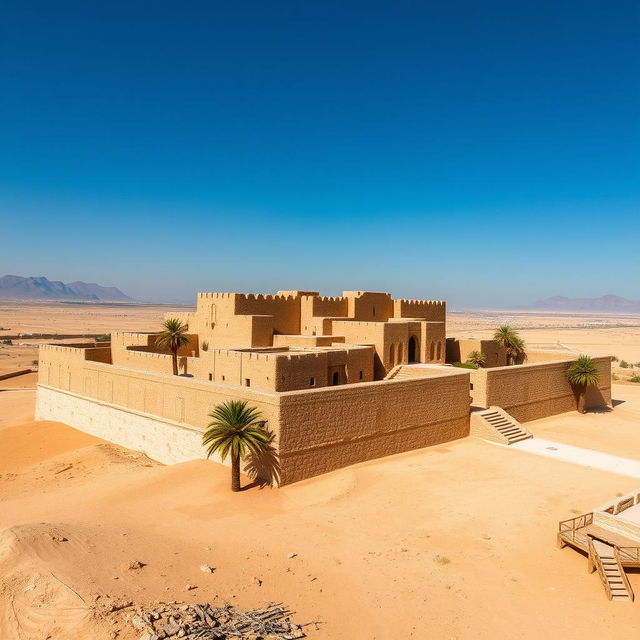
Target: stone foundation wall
<point>163,440</point>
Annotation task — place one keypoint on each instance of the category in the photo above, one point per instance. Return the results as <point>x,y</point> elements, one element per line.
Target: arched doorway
<point>413,349</point>
<point>335,378</point>
<point>432,350</point>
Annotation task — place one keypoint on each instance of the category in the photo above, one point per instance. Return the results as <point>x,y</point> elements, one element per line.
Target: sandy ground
<point>64,319</point>
<point>58,317</point>
<point>604,335</point>
<point>455,541</point>
<point>587,430</point>
<point>450,542</point>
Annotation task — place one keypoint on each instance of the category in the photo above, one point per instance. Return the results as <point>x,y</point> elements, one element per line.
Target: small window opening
<point>471,385</point>
<point>210,377</point>
<point>247,382</point>
<point>222,378</point>
<point>312,382</point>
<point>374,312</point>
<point>361,375</point>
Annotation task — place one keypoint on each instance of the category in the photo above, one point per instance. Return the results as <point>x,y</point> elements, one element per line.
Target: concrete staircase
<point>603,558</point>
<point>393,372</point>
<point>497,425</point>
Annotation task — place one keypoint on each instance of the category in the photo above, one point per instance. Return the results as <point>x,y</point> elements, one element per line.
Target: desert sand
<point>455,541</point>
<point>60,319</point>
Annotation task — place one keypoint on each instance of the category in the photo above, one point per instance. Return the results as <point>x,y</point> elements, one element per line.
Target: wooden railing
<point>625,502</point>
<point>629,554</point>
<point>596,562</point>
<point>625,580</point>
<point>575,523</point>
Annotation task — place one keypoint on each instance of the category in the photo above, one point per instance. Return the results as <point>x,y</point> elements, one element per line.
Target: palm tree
<point>172,337</point>
<point>236,430</point>
<point>477,358</point>
<point>511,342</point>
<point>582,373</point>
<point>518,349</point>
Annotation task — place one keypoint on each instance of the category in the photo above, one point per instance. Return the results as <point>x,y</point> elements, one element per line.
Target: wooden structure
<point>608,551</point>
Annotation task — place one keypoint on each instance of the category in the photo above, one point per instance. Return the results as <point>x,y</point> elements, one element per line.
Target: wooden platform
<point>608,552</point>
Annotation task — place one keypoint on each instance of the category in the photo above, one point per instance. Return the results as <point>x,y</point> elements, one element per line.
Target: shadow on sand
<point>264,470</point>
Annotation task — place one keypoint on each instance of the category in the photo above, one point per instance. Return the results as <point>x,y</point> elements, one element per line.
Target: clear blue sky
<point>486,153</point>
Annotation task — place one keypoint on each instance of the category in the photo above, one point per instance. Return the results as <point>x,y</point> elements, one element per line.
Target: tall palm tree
<point>237,430</point>
<point>511,342</point>
<point>582,373</point>
<point>477,357</point>
<point>172,337</point>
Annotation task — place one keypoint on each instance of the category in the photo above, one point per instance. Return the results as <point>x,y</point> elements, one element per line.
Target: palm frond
<point>583,372</point>
<point>237,430</point>
<point>173,335</point>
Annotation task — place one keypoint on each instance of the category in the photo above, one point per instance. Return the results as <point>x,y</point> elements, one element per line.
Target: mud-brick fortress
<point>339,380</point>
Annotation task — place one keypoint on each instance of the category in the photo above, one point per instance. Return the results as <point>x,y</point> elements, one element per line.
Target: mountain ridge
<point>609,303</point>
<point>41,288</point>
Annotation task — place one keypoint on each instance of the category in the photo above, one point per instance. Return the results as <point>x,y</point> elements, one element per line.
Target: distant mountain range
<point>19,288</point>
<point>609,304</point>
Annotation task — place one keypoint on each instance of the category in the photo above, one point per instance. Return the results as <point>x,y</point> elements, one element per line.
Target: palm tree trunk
<point>174,357</point>
<point>582,399</point>
<point>235,473</point>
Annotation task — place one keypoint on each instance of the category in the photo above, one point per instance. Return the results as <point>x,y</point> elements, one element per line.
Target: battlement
<point>216,296</point>
<point>416,301</point>
<point>260,297</point>
<point>68,350</point>
<point>328,298</point>
<point>427,309</point>
<point>358,294</point>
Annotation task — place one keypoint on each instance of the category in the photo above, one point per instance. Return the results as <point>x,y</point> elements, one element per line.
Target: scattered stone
<point>30,587</point>
<point>138,622</point>
<point>292,555</point>
<point>206,568</point>
<point>58,538</point>
<point>135,564</point>
<point>171,628</point>
<point>257,581</point>
<point>190,587</point>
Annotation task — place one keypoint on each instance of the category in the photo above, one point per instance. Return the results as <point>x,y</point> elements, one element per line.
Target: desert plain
<point>449,542</point>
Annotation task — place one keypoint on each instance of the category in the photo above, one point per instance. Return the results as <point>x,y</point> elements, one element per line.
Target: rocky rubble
<point>208,622</point>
